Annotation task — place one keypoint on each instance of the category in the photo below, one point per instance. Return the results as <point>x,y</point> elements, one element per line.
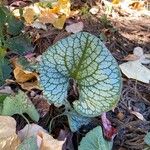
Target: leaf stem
<point>28,125</point>
<point>50,125</point>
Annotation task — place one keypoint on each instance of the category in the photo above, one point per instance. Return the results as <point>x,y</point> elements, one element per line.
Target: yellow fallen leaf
<point>115,1</point>
<point>23,75</point>
<point>47,16</point>
<point>63,6</point>
<point>29,85</point>
<point>29,15</point>
<point>137,5</point>
<point>27,79</point>
<point>48,142</point>
<point>59,23</point>
<point>8,138</point>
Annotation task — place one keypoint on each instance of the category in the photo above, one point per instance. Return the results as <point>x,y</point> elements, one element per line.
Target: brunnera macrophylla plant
<point>80,73</point>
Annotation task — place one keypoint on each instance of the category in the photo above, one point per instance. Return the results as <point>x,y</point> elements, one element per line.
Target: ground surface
<point>123,34</point>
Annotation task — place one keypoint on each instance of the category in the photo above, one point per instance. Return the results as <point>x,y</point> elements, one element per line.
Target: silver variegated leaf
<point>85,58</point>
<point>76,120</point>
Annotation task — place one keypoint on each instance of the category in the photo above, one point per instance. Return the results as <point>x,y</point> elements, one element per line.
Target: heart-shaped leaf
<point>29,143</point>
<point>19,104</point>
<point>94,141</point>
<point>85,58</point>
<point>76,120</point>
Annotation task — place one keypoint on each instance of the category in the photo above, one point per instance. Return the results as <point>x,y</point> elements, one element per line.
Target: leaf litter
<point>133,91</point>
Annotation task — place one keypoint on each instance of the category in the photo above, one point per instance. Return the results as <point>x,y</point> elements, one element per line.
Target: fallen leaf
<point>138,51</point>
<point>6,90</point>
<point>30,130</point>
<point>59,23</point>
<point>135,70</point>
<point>109,131</point>
<point>75,27</point>
<point>138,115</point>
<point>131,57</point>
<point>47,16</point>
<point>8,137</point>
<point>138,54</point>
<point>29,15</point>
<point>115,1</point>
<point>144,58</point>
<point>39,25</point>
<point>23,75</point>
<point>94,10</point>
<point>26,79</point>
<point>137,5</point>
<point>49,143</point>
<point>63,7</point>
<point>29,85</point>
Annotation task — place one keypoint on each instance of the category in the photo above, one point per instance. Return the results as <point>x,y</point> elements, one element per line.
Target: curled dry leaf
<point>75,27</point>
<point>26,79</point>
<point>135,70</point>
<point>48,142</point>
<point>8,136</point>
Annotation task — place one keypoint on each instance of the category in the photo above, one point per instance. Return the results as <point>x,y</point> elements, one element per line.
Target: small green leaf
<point>19,104</point>
<point>94,141</point>
<point>76,120</point>
<point>5,70</point>
<point>29,144</point>
<point>19,44</point>
<point>147,138</point>
<point>85,58</point>
<point>14,25</point>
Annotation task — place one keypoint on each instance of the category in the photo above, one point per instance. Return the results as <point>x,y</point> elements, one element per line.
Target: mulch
<point>128,33</point>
